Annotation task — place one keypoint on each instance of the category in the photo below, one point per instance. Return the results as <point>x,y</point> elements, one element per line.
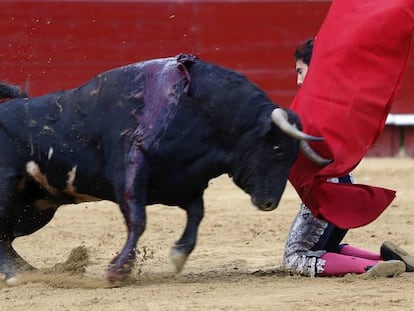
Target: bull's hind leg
<point>20,214</point>
<point>8,267</point>
<point>26,220</point>
<point>185,245</point>
<point>10,261</point>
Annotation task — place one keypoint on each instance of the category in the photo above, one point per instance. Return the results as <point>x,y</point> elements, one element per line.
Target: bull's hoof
<point>119,275</point>
<point>114,277</point>
<point>178,258</point>
<point>7,271</point>
<point>13,281</point>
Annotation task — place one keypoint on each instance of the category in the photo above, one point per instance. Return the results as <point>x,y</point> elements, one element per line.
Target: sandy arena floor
<point>235,266</point>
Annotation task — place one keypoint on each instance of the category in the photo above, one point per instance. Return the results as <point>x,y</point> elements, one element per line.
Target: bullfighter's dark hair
<point>303,51</point>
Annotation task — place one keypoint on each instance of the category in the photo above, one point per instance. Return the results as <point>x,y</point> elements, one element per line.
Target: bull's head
<point>263,167</point>
<point>279,117</point>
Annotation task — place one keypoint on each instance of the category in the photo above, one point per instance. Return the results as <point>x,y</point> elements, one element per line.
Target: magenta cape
<point>358,60</point>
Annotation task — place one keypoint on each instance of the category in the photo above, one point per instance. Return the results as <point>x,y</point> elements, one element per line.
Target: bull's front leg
<point>134,212</point>
<point>185,245</point>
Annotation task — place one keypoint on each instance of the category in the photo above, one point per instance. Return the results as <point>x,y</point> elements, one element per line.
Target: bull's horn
<point>279,117</point>
<point>312,155</point>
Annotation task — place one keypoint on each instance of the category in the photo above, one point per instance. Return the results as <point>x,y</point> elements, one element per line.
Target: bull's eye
<point>277,150</point>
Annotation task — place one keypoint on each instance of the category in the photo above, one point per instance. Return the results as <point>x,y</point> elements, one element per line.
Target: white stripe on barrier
<point>400,119</point>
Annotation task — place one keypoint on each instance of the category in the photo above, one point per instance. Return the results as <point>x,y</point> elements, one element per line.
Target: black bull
<point>151,132</point>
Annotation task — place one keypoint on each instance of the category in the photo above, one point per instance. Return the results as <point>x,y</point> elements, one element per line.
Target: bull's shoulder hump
<point>155,61</point>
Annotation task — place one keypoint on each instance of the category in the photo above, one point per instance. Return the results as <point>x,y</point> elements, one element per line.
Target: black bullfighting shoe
<point>388,268</point>
<point>390,250</point>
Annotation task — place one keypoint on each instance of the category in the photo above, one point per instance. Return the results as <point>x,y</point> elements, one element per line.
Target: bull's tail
<point>10,91</point>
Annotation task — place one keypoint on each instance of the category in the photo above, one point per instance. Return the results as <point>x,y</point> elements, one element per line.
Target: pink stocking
<point>338,264</point>
<point>350,250</point>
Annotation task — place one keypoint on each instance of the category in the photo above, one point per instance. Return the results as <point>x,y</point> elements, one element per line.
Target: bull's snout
<point>265,205</point>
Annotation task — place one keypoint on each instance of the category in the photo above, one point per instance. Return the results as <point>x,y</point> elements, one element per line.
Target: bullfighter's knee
<point>301,264</point>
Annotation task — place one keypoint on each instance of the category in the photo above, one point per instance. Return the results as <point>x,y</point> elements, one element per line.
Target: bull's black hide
<point>151,132</point>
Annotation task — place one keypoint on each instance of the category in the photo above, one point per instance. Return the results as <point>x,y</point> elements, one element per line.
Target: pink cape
<point>359,58</point>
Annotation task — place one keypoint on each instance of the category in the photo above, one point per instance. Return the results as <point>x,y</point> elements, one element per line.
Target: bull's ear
<point>269,123</point>
<point>266,126</point>
<point>294,119</point>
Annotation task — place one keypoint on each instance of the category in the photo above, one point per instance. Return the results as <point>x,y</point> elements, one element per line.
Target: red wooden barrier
<point>388,144</point>
<point>60,44</point>
<point>51,45</point>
